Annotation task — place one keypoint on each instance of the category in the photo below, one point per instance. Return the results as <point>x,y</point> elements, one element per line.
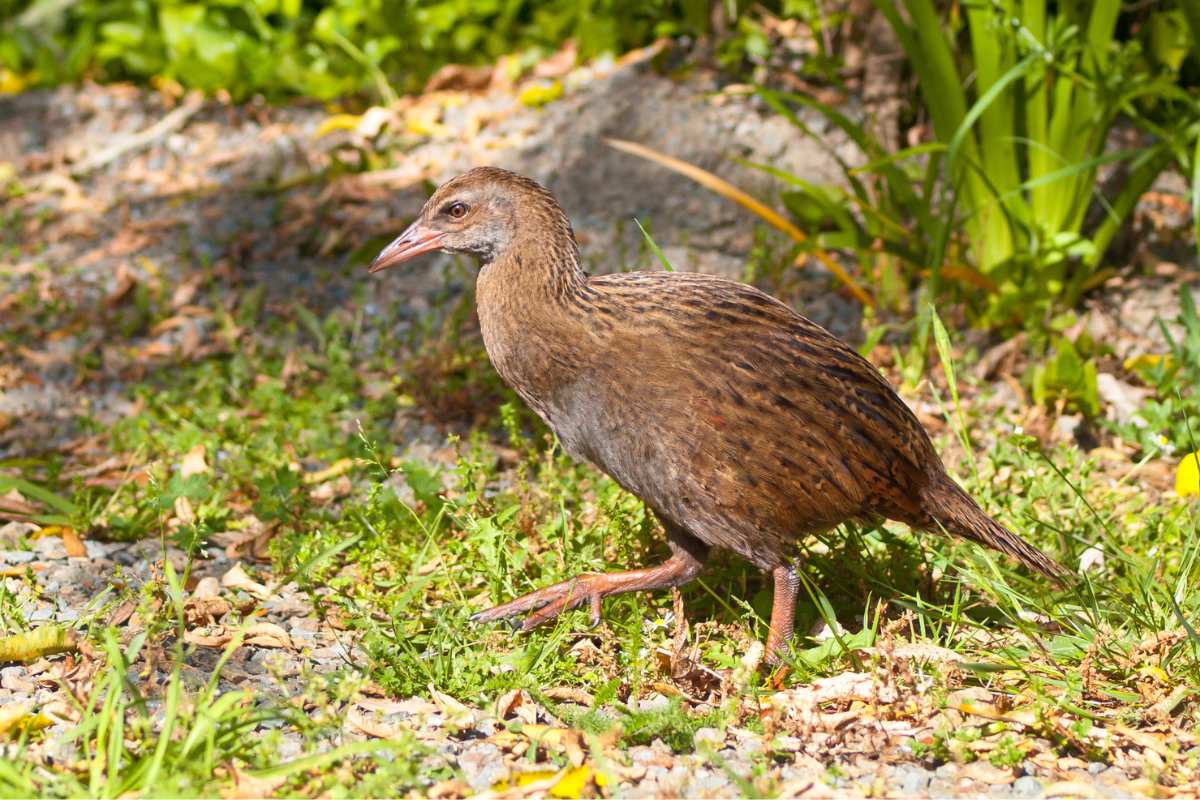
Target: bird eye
<point>456,210</point>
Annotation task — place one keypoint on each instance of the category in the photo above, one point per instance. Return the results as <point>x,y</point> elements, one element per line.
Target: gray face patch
<point>488,230</point>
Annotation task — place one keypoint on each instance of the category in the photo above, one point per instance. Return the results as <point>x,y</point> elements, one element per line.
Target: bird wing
<point>762,402</point>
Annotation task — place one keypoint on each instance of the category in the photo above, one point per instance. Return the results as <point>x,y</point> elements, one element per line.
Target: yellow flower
<point>1134,363</point>
<point>1187,476</point>
<point>539,95</point>
<point>12,83</point>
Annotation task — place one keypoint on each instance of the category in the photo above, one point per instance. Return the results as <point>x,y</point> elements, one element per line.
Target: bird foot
<point>777,678</point>
<point>546,604</point>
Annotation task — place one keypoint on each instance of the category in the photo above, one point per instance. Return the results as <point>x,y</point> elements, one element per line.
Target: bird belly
<point>649,451</point>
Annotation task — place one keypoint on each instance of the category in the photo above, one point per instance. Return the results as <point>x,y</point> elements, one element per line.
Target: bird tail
<point>953,509</point>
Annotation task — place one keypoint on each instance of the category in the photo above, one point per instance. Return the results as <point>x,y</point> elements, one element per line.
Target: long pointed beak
<point>416,240</point>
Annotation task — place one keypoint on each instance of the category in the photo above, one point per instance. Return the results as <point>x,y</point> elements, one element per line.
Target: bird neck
<point>532,304</point>
<point>533,272</point>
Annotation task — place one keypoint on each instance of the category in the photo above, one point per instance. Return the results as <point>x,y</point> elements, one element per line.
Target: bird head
<point>476,214</point>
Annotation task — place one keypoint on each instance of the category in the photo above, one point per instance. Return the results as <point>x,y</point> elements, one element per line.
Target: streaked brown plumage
<point>740,423</point>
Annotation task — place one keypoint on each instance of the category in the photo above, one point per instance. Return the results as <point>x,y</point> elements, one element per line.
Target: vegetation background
<point>1028,169</point>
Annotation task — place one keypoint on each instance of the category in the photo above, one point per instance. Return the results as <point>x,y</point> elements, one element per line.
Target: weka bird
<point>740,423</point>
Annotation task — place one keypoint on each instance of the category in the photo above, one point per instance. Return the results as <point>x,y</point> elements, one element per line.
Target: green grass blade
<point>1196,162</point>
<point>900,155</point>
<point>992,55</point>
<point>1033,17</point>
<point>941,340</point>
<point>653,245</point>
<point>165,735</point>
<point>319,760</point>
<point>44,496</point>
<point>997,247</point>
<point>930,51</point>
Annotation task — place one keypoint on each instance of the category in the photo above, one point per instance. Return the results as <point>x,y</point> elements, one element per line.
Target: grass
<point>409,545</point>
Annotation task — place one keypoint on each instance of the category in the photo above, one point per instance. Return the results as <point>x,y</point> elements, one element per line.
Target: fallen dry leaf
<point>570,694</point>
<point>124,284</point>
<point>569,784</point>
<point>13,502</point>
<point>853,693</point>
<point>459,77</point>
<point>216,636</point>
<point>121,614</point>
<point>184,511</point>
<point>455,712</point>
<point>452,787</point>
<point>368,724</point>
<point>19,717</point>
<point>329,491</point>
<point>205,610</point>
<point>245,785</point>
<point>31,645</point>
<point>73,544</point>
<point>268,634</point>
<point>567,741</point>
<point>339,467</point>
<point>207,586</point>
<point>1149,741</point>
<point>1069,789</point>
<point>193,462</point>
<point>236,578</point>
<point>987,773</point>
<point>250,542</point>
<point>507,703</point>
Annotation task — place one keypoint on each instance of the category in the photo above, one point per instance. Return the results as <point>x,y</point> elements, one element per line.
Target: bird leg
<point>783,611</point>
<point>687,558</point>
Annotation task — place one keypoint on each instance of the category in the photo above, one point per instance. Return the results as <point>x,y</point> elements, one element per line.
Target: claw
<point>595,604</point>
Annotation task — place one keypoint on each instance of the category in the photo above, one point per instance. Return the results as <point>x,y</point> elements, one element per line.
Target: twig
<point>172,122</point>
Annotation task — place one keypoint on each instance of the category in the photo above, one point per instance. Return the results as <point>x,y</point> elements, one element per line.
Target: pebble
<point>96,549</point>
<point>787,744</point>
<point>290,747</point>
<point>710,737</point>
<point>482,765</point>
<point>49,547</point>
<point>13,533</point>
<point>642,754</point>
<point>1113,775</point>
<point>939,787</point>
<point>709,781</point>
<point>913,780</point>
<point>16,556</point>
<point>1027,786</point>
<point>13,679</point>
<point>59,747</point>
<point>655,702</point>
